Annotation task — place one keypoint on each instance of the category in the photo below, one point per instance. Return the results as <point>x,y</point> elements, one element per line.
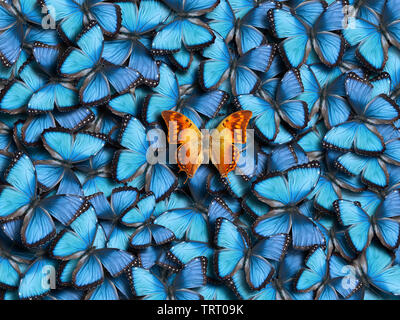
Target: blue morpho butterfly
<point>111,289</point>
<point>284,192</point>
<point>168,95</point>
<point>373,170</point>
<point>215,290</point>
<point>185,30</point>
<point>89,63</point>
<point>243,30</point>
<point>371,103</point>
<point>131,162</point>
<point>132,42</point>
<point>362,6</point>
<point>84,255</point>
<point>9,73</point>
<point>221,64</point>
<point>310,27</point>
<point>12,265</point>
<point>20,198</point>
<point>72,16</point>
<point>178,286</point>
<point>324,91</point>
<point>324,274</point>
<point>142,216</point>
<point>393,70</point>
<point>94,173</point>
<point>372,32</point>
<point>128,103</point>
<point>281,285</point>
<point>183,252</point>
<point>236,252</point>
<point>21,25</point>
<point>35,276</point>
<point>376,270</point>
<point>362,224</point>
<point>67,149</point>
<point>110,213</point>
<point>268,111</point>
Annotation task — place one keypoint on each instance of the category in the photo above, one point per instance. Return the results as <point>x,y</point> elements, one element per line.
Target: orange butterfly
<point>221,149</point>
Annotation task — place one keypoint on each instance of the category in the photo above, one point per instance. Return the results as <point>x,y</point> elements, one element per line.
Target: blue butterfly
<point>283,192</point>
<point>133,43</point>
<point>131,162</point>
<point>64,294</point>
<point>111,289</point>
<point>371,103</point>
<point>185,30</point>
<point>66,149</point>
<point>83,249</point>
<point>21,25</point>
<point>142,216</point>
<point>323,274</point>
<point>89,63</point>
<point>244,29</point>
<point>221,64</point>
<point>377,271</point>
<point>362,225</point>
<point>128,103</point>
<point>94,173</point>
<point>73,15</point>
<point>169,96</point>
<point>177,286</point>
<point>236,252</point>
<point>121,199</point>
<point>315,31</point>
<point>366,33</point>
<point>281,286</point>
<point>21,198</point>
<point>394,72</point>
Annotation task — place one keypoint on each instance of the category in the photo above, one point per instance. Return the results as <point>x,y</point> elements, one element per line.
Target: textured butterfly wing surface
<point>224,154</point>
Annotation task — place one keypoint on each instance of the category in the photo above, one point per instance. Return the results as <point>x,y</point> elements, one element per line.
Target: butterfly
<point>20,198</point>
<point>363,224</point>
<point>371,102</point>
<point>131,162</point>
<point>316,31</point>
<point>236,252</point>
<point>221,64</point>
<point>73,17</point>
<point>365,32</point>
<point>141,216</point>
<point>268,111</point>
<point>186,29</point>
<point>168,95</point>
<point>97,73</point>
<point>66,149</point>
<point>283,190</point>
<point>324,274</point>
<point>21,26</point>
<point>84,255</point>
<point>178,286</point>
<point>233,129</point>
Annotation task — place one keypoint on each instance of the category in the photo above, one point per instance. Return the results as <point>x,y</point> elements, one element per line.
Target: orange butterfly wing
<point>182,131</point>
<point>224,154</point>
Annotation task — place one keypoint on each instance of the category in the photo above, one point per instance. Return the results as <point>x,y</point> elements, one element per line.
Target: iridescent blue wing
<point>214,70</point>
<point>357,221</point>
<point>166,96</point>
<point>311,277</point>
<point>161,181</point>
<point>208,104</point>
<point>188,224</point>
<point>141,212</point>
<point>222,19</point>
<point>147,285</point>
<point>66,146</point>
<point>88,273</point>
<point>108,15</point>
<point>380,270</point>
<point>15,198</point>
<point>192,275</point>
<point>233,244</point>
<point>105,291</point>
<point>115,261</point>
<point>34,126</point>
<point>35,281</point>
<point>296,46</point>
<point>127,163</point>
